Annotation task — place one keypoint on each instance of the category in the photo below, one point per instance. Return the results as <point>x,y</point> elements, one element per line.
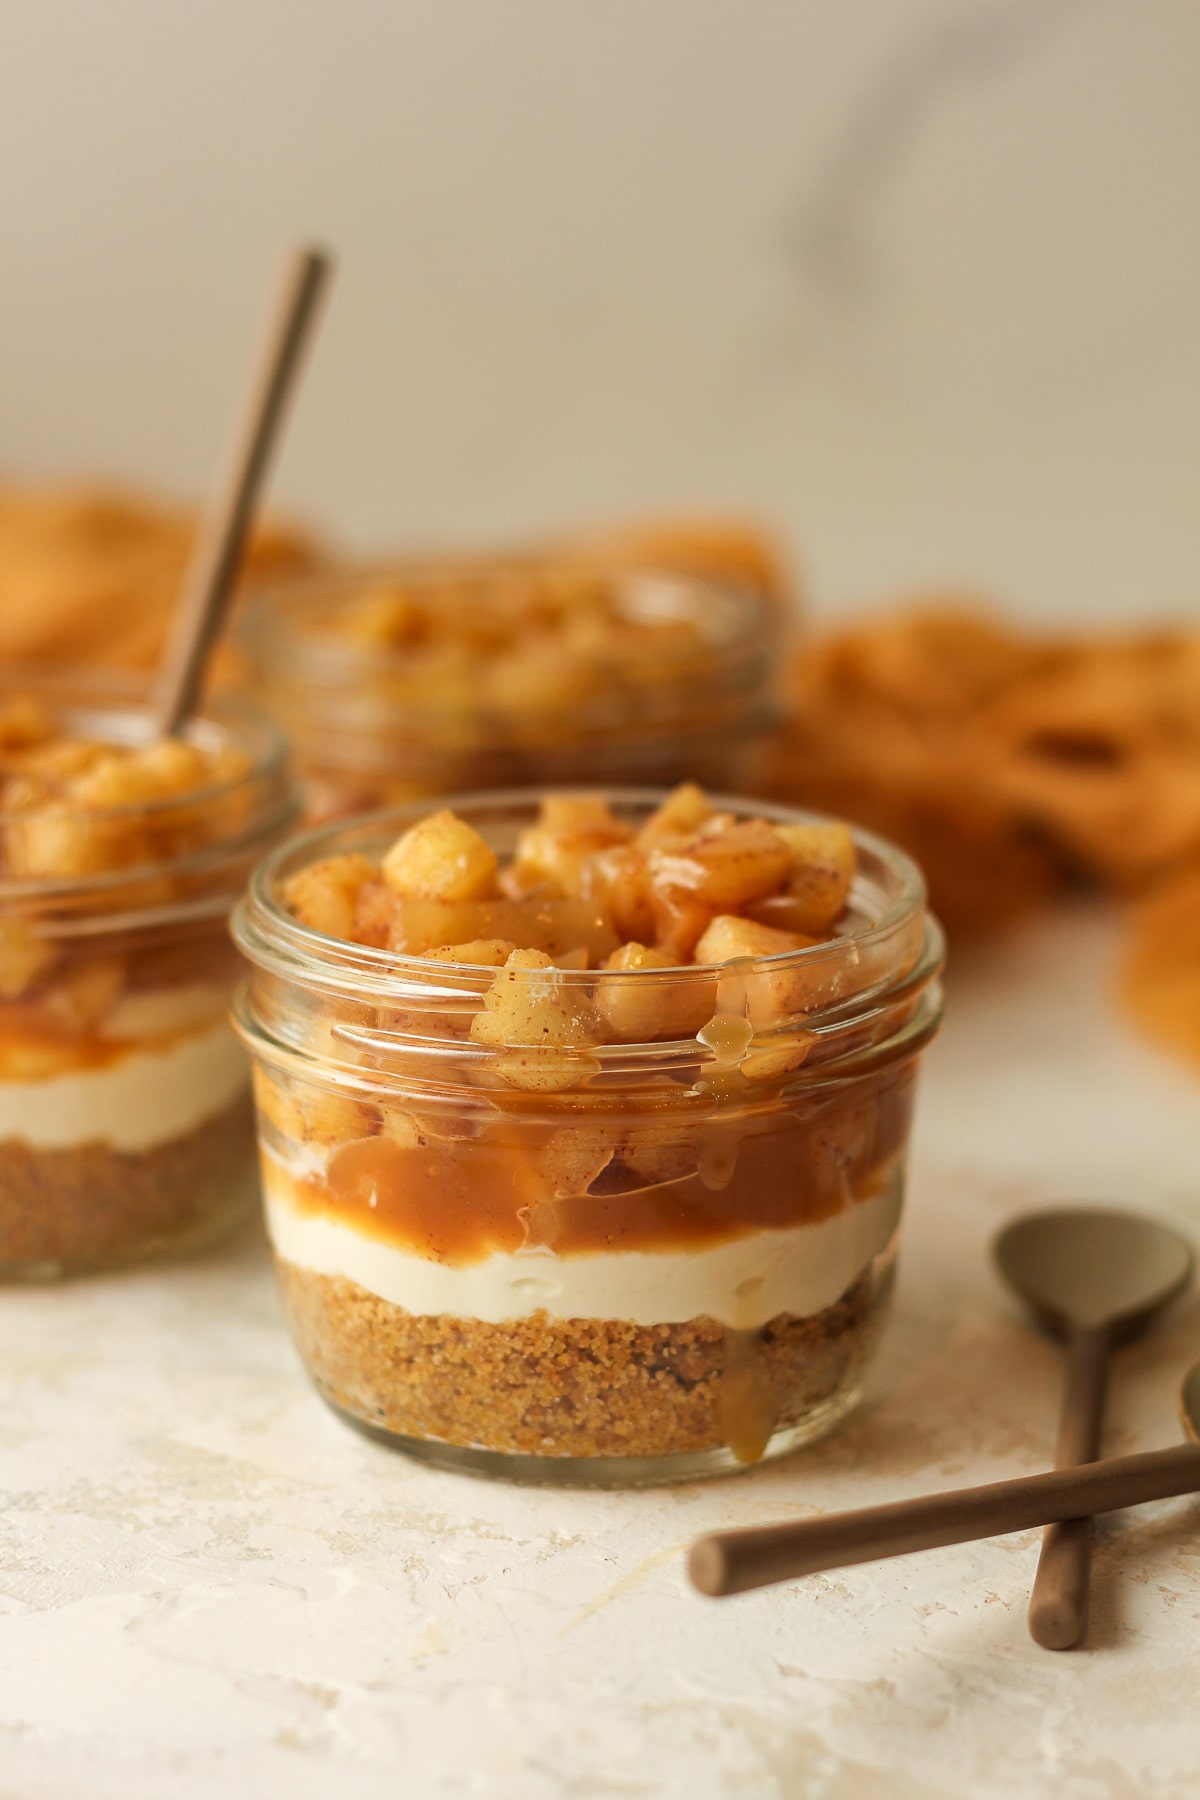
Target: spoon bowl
<point>1095,1279</point>
<point>1089,1268</point>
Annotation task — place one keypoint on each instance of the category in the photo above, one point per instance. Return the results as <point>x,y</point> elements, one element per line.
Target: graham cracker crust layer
<point>63,1210</point>
<point>577,1387</point>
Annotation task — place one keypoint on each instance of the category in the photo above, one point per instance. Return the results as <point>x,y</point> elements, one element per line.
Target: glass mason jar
<point>126,1124</point>
<point>396,684</point>
<point>658,1259</point>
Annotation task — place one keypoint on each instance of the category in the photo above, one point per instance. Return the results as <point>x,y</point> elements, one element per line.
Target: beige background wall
<point>918,279</point>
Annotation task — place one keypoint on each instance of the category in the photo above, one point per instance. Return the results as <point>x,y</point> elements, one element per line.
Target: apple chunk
<point>325,895</point>
<point>554,927</point>
<point>539,1022</point>
<point>818,883</point>
<point>723,871</point>
<point>441,858</point>
<point>772,995</point>
<point>641,1011</point>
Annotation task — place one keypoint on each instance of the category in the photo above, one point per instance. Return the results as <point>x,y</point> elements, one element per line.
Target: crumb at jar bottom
<point>151,1156</point>
<point>533,1400</point>
<point>595,1400</point>
<point>67,1212</point>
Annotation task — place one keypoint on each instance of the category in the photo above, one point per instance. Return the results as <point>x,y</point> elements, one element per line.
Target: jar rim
<point>123,699</point>
<point>272,938</point>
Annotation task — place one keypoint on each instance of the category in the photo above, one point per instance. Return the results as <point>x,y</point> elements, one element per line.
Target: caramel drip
<point>728,1035</point>
<point>746,1405</point>
<point>746,1413</point>
<point>729,1032</point>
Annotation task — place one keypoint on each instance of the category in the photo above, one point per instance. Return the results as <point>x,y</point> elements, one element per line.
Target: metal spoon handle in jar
<point>217,554</point>
<point>1058,1605</point>
<point>732,1562</point>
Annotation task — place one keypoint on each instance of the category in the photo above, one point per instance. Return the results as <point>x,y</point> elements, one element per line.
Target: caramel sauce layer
<point>91,1013</point>
<point>30,1050</point>
<point>458,1202</point>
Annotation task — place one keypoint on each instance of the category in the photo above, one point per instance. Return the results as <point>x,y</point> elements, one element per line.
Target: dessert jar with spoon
<point>396,683</point>
<point>583,1122</point>
<point>125,1115</point>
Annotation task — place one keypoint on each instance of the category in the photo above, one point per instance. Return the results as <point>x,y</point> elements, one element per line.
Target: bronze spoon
<point>1094,1278</point>
<point>218,551</point>
<point>733,1562</point>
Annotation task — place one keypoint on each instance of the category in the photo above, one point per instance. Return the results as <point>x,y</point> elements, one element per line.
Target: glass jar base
<point>218,1222</point>
<point>603,1471</point>
<point>85,1208</point>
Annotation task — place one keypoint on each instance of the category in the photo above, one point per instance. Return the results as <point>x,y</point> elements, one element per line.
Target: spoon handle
<point>1058,1605</point>
<point>730,1562</point>
<point>217,553</point>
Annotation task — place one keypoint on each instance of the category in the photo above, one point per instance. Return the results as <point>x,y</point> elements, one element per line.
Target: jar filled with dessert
<point>402,683</point>
<point>583,1122</point>
<point>126,1125</point>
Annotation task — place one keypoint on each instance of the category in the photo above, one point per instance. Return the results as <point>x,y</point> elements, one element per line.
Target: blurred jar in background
<point>126,1127</point>
<point>394,683</point>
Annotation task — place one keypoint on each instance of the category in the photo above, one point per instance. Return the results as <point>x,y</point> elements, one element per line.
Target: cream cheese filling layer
<point>742,1283</point>
<point>146,1098</point>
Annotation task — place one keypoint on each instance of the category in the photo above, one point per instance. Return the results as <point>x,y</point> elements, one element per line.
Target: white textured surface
<point>743,1283</point>
<point>210,1587</point>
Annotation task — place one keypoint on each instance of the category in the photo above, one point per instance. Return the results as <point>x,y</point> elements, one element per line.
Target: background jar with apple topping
<point>126,1125</point>
<point>403,682</point>
<point>562,1221</point>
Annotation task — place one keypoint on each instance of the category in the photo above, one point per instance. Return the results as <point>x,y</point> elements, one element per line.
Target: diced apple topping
<point>682,812</point>
<point>574,1157</point>
<point>546,1015</point>
<point>570,831</point>
<point>314,1116</point>
<point>552,926</point>
<point>325,895</point>
<point>772,994</point>
<point>818,884</point>
<point>123,818</point>
<point>62,760</point>
<point>441,858</point>
<point>373,908</point>
<point>402,1129</point>
<point>581,819</point>
<point>161,771</point>
<point>640,1012</point>
<point>723,870</point>
<point>632,1010</point>
<point>544,1012</point>
<point>74,807</point>
<point>617,879</point>
<point>56,841</point>
<point>84,993</point>
<point>522,644</point>
<point>481,953</point>
<point>679,924</point>
<point>581,894</point>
